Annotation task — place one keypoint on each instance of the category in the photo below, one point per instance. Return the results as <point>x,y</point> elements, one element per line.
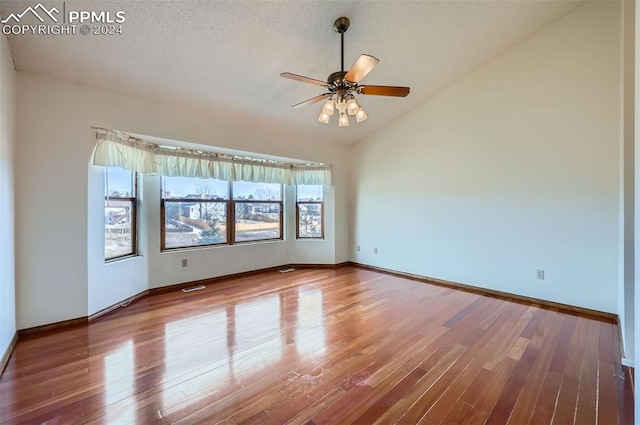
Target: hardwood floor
<point>321,346</point>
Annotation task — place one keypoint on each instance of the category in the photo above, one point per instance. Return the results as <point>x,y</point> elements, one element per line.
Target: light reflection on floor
<point>205,347</point>
<point>310,332</point>
<point>221,350</point>
<point>119,372</point>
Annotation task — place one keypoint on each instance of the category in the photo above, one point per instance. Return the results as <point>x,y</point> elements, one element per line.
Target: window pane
<point>310,192</point>
<point>119,183</point>
<point>257,191</point>
<point>194,188</point>
<point>195,223</point>
<point>118,237</point>
<point>309,200</point>
<point>310,220</point>
<point>257,221</point>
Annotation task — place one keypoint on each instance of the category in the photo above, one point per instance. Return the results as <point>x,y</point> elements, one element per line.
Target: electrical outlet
<point>185,263</point>
<point>375,250</point>
<point>358,249</point>
<point>540,274</point>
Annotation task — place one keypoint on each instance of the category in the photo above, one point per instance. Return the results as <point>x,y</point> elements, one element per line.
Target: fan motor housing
<point>336,77</point>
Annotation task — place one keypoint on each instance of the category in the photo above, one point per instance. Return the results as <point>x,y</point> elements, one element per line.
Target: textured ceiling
<point>231,52</point>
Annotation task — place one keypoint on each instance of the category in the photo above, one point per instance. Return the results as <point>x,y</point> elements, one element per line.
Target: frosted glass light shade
<point>341,105</point>
<point>360,115</point>
<point>328,107</point>
<point>352,106</point>
<point>324,117</point>
<point>343,121</point>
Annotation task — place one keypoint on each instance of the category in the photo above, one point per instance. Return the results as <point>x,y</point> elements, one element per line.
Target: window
<point>310,212</point>
<point>258,211</point>
<point>198,212</point>
<point>194,212</point>
<point>119,213</point>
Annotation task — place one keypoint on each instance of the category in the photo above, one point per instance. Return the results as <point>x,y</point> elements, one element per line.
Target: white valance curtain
<point>115,149</point>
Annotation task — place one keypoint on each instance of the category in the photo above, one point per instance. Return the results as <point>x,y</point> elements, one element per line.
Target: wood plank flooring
<point>322,346</point>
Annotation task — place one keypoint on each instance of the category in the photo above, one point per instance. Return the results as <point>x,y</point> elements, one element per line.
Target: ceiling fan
<point>344,85</point>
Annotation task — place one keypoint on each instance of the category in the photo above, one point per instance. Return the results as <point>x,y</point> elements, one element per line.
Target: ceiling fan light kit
<point>343,86</point>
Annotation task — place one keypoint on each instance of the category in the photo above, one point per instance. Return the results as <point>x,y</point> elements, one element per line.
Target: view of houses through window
<point>119,213</point>
<point>258,211</point>
<point>195,211</point>
<point>204,212</point>
<point>309,211</point>
<point>199,212</point>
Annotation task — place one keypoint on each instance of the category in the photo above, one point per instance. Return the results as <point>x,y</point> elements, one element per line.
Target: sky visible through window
<point>119,181</point>
<point>310,192</point>
<point>181,187</point>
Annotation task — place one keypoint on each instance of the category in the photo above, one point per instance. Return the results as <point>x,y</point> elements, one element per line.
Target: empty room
<point>318,212</point>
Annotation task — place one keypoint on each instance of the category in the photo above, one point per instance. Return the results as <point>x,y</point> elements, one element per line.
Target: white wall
<point>514,168</point>
<point>315,251</point>
<point>626,259</point>
<point>60,268</point>
<point>165,268</point>
<point>636,329</point>
<point>7,171</point>
<point>110,283</point>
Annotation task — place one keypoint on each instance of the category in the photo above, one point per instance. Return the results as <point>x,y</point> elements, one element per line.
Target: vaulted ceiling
<point>230,53</point>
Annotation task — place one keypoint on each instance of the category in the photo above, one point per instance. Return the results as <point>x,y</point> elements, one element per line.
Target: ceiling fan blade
<point>385,91</point>
<point>303,79</point>
<point>312,100</point>
<point>358,70</point>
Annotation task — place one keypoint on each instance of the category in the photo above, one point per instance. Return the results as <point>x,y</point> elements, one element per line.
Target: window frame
<point>321,203</point>
<point>230,222</point>
<point>163,223</point>
<point>259,201</point>
<point>134,217</point>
